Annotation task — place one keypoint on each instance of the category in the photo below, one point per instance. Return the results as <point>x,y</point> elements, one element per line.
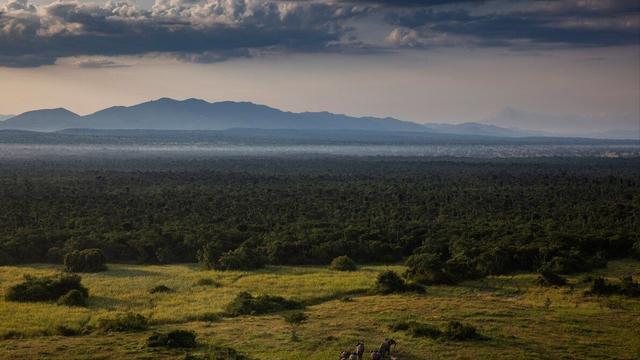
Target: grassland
<point>519,319</point>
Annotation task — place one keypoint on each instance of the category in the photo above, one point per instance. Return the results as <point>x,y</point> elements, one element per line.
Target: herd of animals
<point>383,352</point>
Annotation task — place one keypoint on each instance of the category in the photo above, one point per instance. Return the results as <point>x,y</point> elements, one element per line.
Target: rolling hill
<point>195,114</point>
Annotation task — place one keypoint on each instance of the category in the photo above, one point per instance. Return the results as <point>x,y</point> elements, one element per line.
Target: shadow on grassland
<point>109,303</point>
<point>127,272</point>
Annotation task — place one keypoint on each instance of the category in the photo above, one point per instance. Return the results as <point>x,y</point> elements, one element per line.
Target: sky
<point>561,65</point>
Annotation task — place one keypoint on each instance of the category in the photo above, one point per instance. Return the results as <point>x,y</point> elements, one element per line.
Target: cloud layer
<point>537,24</point>
<point>209,30</point>
<point>216,30</point>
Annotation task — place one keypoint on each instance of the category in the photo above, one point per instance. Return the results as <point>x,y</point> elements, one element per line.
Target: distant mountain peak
<point>54,111</point>
<point>195,101</point>
<point>43,120</point>
<point>164,100</point>
<point>196,114</point>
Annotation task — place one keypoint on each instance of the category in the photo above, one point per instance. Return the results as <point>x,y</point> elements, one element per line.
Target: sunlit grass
<point>126,288</point>
<point>512,312</point>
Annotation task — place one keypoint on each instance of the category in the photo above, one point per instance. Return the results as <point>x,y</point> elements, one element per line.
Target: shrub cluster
<point>295,317</point>
<point>627,287</point>
<point>88,260</point>
<point>455,330</point>
<point>48,288</point>
<point>245,257</point>
<point>573,261</point>
<point>416,329</point>
<point>208,282</point>
<point>173,339</point>
<point>389,282</point>
<point>458,331</point>
<point>247,304</point>
<point>160,289</point>
<point>343,263</point>
<point>73,298</point>
<point>64,330</point>
<point>436,263</point>
<point>429,268</point>
<point>547,277</point>
<point>124,322</point>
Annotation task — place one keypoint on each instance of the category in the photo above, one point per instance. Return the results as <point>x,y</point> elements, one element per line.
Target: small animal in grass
<point>385,347</point>
<point>360,349</point>
<point>375,355</point>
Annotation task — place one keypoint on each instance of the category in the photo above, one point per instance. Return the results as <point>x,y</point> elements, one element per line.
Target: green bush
<point>389,282</point>
<point>627,287</point>
<point>294,319</point>
<point>416,329</point>
<point>399,326</point>
<point>547,277</point>
<point>458,331</point>
<point>64,330</point>
<point>246,304</point>
<point>424,330</point>
<point>573,261</point>
<point>208,255</point>
<point>427,269</point>
<point>157,340</point>
<point>343,263</point>
<point>601,287</point>
<point>73,298</point>
<point>49,288</point>
<point>182,339</point>
<point>55,255</point>
<point>208,282</point>
<point>124,322</point>
<point>160,289</point>
<point>173,339</point>
<point>459,267</point>
<point>243,258</point>
<point>88,260</point>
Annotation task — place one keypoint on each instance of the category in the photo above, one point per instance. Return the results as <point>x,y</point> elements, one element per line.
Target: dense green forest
<point>450,218</point>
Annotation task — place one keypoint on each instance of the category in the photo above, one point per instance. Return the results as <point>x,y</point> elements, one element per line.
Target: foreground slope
<point>509,310</point>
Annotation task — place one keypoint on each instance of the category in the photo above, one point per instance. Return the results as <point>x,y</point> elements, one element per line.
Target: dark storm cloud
<point>414,3</point>
<point>207,30</point>
<point>539,24</point>
<point>218,30</point>
<point>99,64</point>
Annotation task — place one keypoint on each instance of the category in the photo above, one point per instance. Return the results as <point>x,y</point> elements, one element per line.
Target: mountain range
<point>195,114</point>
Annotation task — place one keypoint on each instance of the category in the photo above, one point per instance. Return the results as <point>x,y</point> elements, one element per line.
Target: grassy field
<point>519,319</point>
